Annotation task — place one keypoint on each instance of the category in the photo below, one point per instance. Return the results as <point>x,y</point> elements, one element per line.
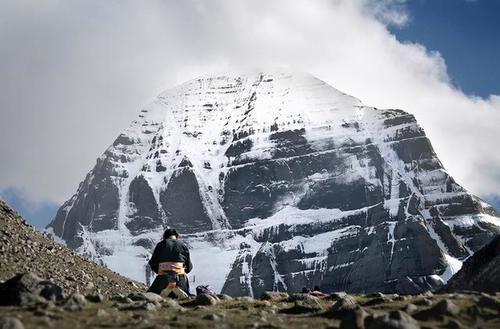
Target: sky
<point>73,74</point>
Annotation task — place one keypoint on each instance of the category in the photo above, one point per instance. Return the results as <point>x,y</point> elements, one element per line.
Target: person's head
<point>170,233</point>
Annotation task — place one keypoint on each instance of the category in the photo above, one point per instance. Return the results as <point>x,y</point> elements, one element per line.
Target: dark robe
<point>170,250</point>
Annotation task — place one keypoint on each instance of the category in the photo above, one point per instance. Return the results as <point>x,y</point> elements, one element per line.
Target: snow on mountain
<point>277,181</point>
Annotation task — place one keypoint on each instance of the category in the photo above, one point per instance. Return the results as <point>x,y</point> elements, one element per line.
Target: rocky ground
<point>275,310</point>
<point>24,249</point>
<point>59,289</point>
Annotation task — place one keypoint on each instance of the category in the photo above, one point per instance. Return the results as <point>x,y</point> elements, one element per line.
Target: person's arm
<point>189,265</point>
<point>153,262</point>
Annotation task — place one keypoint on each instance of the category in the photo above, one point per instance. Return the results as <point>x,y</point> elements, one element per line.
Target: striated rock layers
<point>278,181</point>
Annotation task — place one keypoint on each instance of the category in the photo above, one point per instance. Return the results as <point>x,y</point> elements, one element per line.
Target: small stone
<point>391,320</point>
<point>340,308</point>
<point>151,307</point>
<point>101,313</point>
<point>75,302</point>
<point>274,295</point>
<point>410,308</point>
<point>206,299</point>
<point>399,297</point>
<point>376,301</point>
<point>422,302</point>
<point>446,307</point>
<point>8,322</point>
<point>211,317</point>
<point>170,303</point>
<point>224,297</point>
<point>454,324</point>
<point>95,298</point>
<point>337,295</point>
<point>438,311</point>
<point>51,291</point>
<point>245,299</point>
<point>307,304</point>
<point>147,296</point>
<point>354,319</point>
<point>428,294</point>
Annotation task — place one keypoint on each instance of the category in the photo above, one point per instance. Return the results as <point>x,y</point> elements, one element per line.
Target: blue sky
<point>95,64</point>
<point>38,215</point>
<point>466,33</point>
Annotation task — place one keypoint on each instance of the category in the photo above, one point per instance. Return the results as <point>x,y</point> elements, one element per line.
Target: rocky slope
<point>278,181</point>
<point>480,272</point>
<point>25,250</point>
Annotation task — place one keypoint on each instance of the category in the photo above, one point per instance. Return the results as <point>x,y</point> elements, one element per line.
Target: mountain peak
<point>278,180</point>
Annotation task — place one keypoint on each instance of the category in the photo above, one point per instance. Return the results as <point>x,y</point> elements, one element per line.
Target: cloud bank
<point>74,74</point>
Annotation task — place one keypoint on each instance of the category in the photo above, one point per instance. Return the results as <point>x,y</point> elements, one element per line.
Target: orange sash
<point>176,267</point>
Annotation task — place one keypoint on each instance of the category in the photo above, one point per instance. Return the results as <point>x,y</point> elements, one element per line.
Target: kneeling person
<point>171,262</point>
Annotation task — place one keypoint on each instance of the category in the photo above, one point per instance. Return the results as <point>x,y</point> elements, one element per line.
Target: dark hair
<point>169,232</point>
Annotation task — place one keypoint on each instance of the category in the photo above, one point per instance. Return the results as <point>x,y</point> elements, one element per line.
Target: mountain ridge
<point>280,180</point>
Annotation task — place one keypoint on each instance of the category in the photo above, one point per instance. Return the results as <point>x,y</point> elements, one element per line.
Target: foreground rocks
<point>27,289</point>
<point>64,290</point>
<point>274,310</point>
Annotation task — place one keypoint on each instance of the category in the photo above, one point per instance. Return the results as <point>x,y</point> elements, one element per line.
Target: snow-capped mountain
<point>278,181</point>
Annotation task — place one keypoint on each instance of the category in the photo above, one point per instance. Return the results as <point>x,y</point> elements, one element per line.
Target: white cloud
<point>76,73</point>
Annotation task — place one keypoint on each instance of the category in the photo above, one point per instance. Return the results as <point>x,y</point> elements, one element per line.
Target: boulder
<point>444,308</point>
<point>75,302</point>
<point>391,320</point>
<point>26,289</point>
<point>274,295</point>
<point>206,300</point>
<point>10,323</point>
<point>306,304</point>
<point>95,298</point>
<point>224,297</point>
<point>146,296</point>
<point>354,319</point>
<point>342,306</point>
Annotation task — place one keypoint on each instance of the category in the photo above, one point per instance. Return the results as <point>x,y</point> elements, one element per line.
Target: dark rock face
<point>321,189</point>
<point>146,216</point>
<point>182,203</point>
<point>481,272</point>
<point>27,289</point>
<point>95,205</point>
